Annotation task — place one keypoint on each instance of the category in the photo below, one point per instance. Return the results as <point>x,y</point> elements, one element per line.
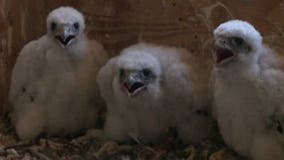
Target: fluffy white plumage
<point>149,88</point>
<point>249,92</point>
<point>53,88</point>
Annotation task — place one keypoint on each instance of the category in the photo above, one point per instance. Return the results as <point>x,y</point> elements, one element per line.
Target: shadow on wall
<point>118,24</point>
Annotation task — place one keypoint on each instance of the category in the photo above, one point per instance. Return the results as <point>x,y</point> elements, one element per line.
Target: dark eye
<point>146,72</point>
<point>76,25</point>
<point>121,72</point>
<point>238,41</point>
<point>53,26</point>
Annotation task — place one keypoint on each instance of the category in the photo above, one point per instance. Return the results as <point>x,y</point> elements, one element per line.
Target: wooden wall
<point>118,23</point>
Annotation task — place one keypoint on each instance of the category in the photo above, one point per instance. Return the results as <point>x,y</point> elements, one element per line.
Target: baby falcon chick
<point>249,92</point>
<point>149,88</point>
<point>51,89</point>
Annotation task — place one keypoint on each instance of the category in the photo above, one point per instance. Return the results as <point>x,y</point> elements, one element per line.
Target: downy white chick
<point>249,92</point>
<point>149,88</point>
<point>52,88</point>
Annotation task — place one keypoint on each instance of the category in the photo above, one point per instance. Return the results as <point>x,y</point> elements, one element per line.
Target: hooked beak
<point>133,84</point>
<point>66,37</point>
<point>222,53</point>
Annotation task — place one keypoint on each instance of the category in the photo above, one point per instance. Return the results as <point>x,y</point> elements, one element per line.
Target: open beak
<point>222,52</point>
<point>66,37</point>
<point>222,55</point>
<point>133,84</point>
